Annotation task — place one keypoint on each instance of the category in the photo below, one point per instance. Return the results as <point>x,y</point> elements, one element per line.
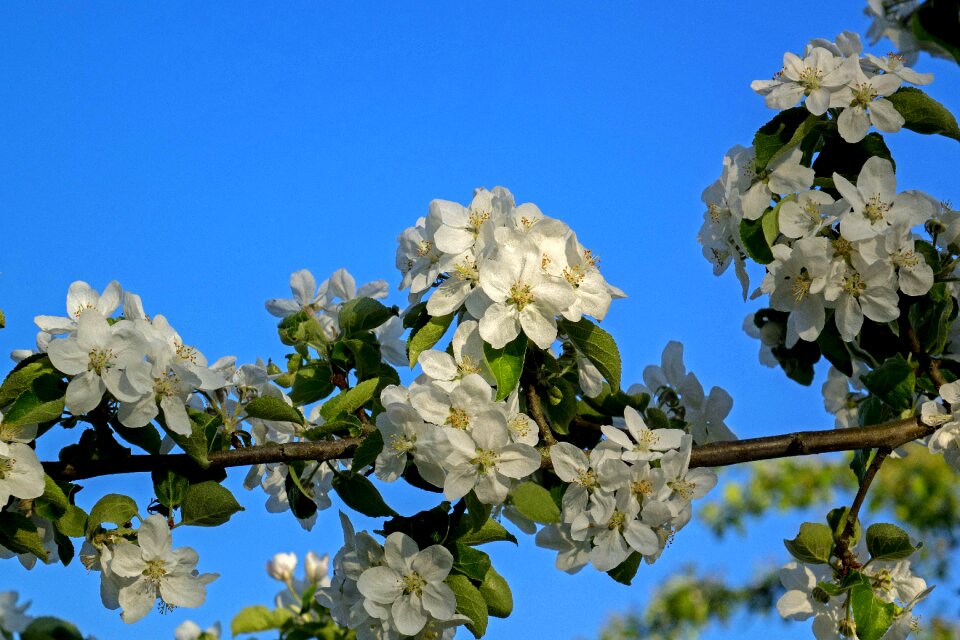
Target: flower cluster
<point>511,267</point>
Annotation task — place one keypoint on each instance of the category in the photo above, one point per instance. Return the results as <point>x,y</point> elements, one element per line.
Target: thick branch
<point>720,454</point>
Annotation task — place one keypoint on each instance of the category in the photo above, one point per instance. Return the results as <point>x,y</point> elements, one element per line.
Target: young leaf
<point>506,364</point>
<point>471,562</point>
<point>888,542</point>
<point>362,314</point>
<point>812,545</point>
<point>23,375</point>
<point>350,400</point>
<point>470,602</point>
<point>274,409</point>
<point>497,594</point>
<point>311,383</point>
<point>19,534</point>
<point>259,618</point>
<point>73,523</point>
<point>534,502</point>
<point>872,615</point>
<point>50,628</point>
<point>170,487</point>
<point>597,346</point>
<point>424,337</point>
<point>42,402</point>
<point>113,508</point>
<point>491,531</point>
<point>208,504</point>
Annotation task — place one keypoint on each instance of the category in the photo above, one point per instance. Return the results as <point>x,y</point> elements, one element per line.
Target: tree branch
<point>718,454</point>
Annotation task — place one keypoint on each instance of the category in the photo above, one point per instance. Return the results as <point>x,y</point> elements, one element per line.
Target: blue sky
<point>201,153</point>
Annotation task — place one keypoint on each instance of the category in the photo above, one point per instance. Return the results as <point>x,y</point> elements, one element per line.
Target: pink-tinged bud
<point>282,566</point>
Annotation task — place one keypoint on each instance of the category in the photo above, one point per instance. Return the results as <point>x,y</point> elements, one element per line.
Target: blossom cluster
<point>509,266</point>
<point>811,593</point>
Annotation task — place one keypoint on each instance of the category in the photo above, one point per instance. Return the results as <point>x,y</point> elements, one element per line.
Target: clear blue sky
<point>200,153</point>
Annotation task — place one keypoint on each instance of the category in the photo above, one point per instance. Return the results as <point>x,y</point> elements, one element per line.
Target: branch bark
<point>719,454</point>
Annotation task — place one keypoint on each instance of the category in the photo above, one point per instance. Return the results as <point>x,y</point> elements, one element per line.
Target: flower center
<point>574,275</point>
<point>424,247</point>
<point>587,478</point>
<point>467,270</point>
<point>905,259</point>
<point>811,79</point>
<point>185,352</point>
<point>854,285</point>
<point>801,286</point>
<point>402,444</point>
<point>6,467</point>
<point>466,366</point>
<point>875,208</point>
<point>413,583</point>
<point>863,94</point>
<point>715,212</point>
<point>167,385</point>
<point>646,439</point>
<point>520,295</point>
<point>683,487</point>
<point>842,248</point>
<point>518,425</point>
<point>485,460</point>
<point>812,209</point>
<point>617,520</point>
<point>100,360</point>
<point>154,571</point>
<point>458,418</point>
<point>477,218</point>
<point>641,488</point>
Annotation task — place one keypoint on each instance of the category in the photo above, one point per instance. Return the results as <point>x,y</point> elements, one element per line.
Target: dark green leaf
<point>366,454</point>
<point>923,114</point>
<point>145,437</point>
<point>560,405</point>
<point>893,382</point>
<point>837,519</point>
<point>300,498</point>
<point>311,383</point>
<point>626,570</point>
<point>170,487</point>
<point>362,314</point>
<point>361,495</point>
<point>50,628</point>
<point>208,504</point>
<point>754,240</point>
<point>506,364</point>
<point>839,156</point>
<point>597,346</point>
<point>53,503</point>
<point>772,137</point>
<point>20,535</point>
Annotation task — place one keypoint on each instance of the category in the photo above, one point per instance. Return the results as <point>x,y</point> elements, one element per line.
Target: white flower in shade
<point>95,357</point>
<point>875,204</point>
<point>168,347</point>
<point>317,569</point>
<point>523,298</point>
<point>613,523</point>
<point>671,374</point>
<point>408,589</point>
<point>572,555</point>
<point>392,346</point>
<point>861,290</point>
<point>21,474</point>
<point>155,569</point>
<point>341,287</point>
<point>839,399</point>
<point>684,485</point>
<point>847,45</point>
<point>894,64</point>
<point>808,213</point>
<point>897,248</point>
<point>522,427</point>
<point>190,630</point>
<point>946,441</point>
<point>80,297</point>
<point>642,443</point>
<point>818,75</point>
<point>719,234</point>
<point>467,356</point>
<point>795,281</point>
<point>417,257</point>
<point>804,599</point>
<point>13,618</point>
<point>282,566</point>
<point>706,418</point>
<point>770,335</point>
<point>485,461</point>
<point>589,377</point>
<point>864,104</point>
<point>304,288</point>
<point>783,176</point>
<point>405,433</point>
<point>359,553</point>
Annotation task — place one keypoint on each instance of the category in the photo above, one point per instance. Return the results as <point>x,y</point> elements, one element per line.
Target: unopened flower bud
<point>282,565</point>
<point>847,628</point>
<point>317,568</point>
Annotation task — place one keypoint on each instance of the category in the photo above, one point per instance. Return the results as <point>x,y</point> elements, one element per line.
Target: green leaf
<point>470,562</point>
<point>311,383</point>
<point>626,570</point>
<point>361,495</point>
<point>50,628</point>
<point>350,400</point>
<point>534,502</point>
<point>491,531</point>
<point>362,314</point>
<point>259,618</point>
<point>561,406</point>
<point>19,534</point>
<point>300,498</point>
<point>114,508</point>
<point>834,349</point>
<point>274,409</point>
<point>73,523</point>
<point>813,544</point>
<point>497,594</point>
<point>366,355</point>
<point>42,402</point>
<point>772,137</point>
<point>757,236</point>
<point>837,519</point>
<point>197,444</point>
<point>930,318</point>
<point>477,512</point>
<point>23,375</point>
<point>506,364</point>
<point>53,503</point>
<point>146,437</point>
<point>425,336</point>
<point>470,602</point>
<point>346,424</point>
<point>893,382</point>
<point>597,346</point>
<point>888,542</point>
<point>208,504</point>
<point>872,615</point>
<point>366,454</point>
<point>923,114</point>
<point>170,487</point>
<point>839,156</point>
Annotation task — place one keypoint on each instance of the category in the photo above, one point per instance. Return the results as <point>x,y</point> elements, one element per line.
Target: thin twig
<point>535,409</point>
